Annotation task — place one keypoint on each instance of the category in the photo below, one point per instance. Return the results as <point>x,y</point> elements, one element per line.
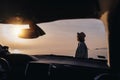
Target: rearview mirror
<point>33,32</point>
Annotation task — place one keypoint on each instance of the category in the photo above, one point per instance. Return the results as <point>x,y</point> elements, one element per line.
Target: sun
<point>16,31</point>
<point>11,32</point>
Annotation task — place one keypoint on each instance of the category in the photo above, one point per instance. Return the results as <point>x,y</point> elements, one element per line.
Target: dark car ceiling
<point>49,10</point>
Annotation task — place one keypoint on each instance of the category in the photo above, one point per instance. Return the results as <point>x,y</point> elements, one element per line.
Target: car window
<point>60,38</point>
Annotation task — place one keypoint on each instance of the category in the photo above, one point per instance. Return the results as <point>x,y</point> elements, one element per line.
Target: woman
<point>81,51</point>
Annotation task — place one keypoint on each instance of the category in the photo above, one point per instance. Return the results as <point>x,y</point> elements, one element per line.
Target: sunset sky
<point>60,37</point>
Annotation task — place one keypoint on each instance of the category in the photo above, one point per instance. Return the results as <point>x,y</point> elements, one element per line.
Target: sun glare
<point>16,30</point>
<point>11,32</point>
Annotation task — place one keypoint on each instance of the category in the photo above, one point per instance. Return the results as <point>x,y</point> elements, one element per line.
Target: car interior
<point>50,66</point>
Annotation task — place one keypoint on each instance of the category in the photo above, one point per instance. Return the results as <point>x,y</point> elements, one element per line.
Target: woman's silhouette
<point>82,50</point>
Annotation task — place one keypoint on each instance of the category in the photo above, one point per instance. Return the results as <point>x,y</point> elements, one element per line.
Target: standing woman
<point>82,50</point>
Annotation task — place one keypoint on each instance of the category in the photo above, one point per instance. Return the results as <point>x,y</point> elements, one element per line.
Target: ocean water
<point>91,53</point>
<point>96,53</point>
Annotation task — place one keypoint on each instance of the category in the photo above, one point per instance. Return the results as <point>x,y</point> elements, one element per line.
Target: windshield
<point>60,38</point>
